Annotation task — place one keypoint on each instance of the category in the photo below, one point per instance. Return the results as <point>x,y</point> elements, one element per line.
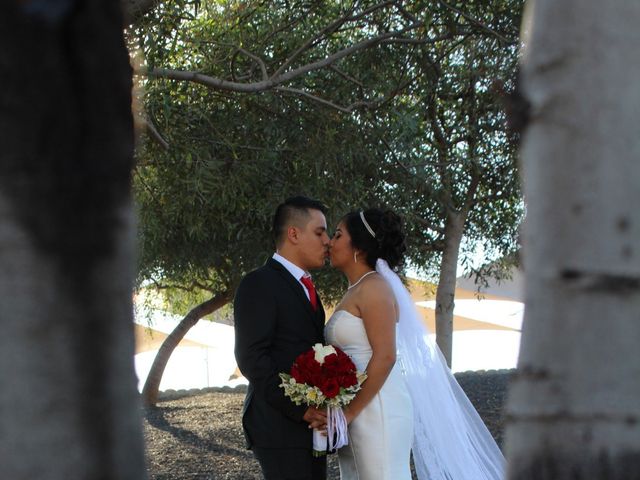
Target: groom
<point>278,315</point>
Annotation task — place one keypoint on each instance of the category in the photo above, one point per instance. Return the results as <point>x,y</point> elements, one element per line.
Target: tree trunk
<point>445,294</point>
<point>573,411</point>
<point>152,383</point>
<point>68,399</point>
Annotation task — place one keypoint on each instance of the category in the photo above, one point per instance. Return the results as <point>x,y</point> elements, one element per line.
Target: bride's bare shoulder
<point>377,287</point>
<point>376,301</point>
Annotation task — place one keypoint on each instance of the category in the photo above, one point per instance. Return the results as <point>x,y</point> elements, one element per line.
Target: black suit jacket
<point>274,323</point>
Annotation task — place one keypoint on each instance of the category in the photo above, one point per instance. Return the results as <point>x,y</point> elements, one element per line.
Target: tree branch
<point>346,76</point>
<point>328,103</point>
<point>194,284</point>
<point>154,134</point>
<point>418,41</point>
<point>213,82</point>
<point>472,115</point>
<point>403,11</point>
<point>426,223</point>
<point>477,22</point>
<point>272,82</point>
<point>157,203</point>
<point>471,193</point>
<point>331,28</point>
<point>350,108</point>
<point>443,146</point>
<point>255,58</point>
<point>421,186</point>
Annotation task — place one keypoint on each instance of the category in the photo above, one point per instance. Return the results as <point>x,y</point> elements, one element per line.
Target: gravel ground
<point>197,435</point>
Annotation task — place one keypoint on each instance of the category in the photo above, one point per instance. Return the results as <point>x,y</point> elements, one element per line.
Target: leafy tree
<point>205,205</point>
<point>286,48</point>
<point>449,153</point>
<point>339,102</point>
<point>232,158</point>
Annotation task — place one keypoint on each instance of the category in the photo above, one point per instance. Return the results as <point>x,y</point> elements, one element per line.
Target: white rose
<point>321,351</point>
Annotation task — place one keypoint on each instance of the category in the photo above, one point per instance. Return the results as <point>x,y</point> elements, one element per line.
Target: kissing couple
<point>410,401</point>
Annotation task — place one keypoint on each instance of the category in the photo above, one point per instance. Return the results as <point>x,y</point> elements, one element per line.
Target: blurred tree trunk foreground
<point>573,410</point>
<point>68,399</point>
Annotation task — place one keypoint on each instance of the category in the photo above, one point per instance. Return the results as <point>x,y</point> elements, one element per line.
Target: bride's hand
<point>316,418</point>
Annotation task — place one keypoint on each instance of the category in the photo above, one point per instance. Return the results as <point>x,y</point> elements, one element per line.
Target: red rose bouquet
<point>322,377</point>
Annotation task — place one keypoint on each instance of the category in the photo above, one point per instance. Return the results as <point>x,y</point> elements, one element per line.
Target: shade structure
<point>203,358</point>
<point>148,339</point>
<point>488,309</point>
<point>477,317</point>
<point>486,336</point>
<point>460,322</point>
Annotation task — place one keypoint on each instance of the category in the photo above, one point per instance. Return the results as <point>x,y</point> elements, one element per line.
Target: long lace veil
<point>450,440</point>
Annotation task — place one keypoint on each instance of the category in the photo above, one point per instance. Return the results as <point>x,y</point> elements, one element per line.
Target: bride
<point>410,401</point>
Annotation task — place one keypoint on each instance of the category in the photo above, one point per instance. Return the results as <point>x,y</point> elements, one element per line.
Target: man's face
<point>313,241</point>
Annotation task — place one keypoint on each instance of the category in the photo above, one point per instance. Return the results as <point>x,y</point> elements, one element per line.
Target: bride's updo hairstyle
<point>388,242</point>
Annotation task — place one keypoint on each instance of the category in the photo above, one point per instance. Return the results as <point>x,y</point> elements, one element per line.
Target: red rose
<point>347,381</point>
<point>336,371</point>
<point>297,374</point>
<point>315,379</point>
<point>330,388</point>
<point>331,361</point>
<point>344,363</point>
<point>306,365</point>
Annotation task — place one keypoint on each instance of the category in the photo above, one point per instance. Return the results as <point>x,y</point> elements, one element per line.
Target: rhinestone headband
<point>367,226</point>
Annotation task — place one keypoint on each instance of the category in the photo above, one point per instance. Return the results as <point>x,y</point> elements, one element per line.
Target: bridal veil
<point>451,442</point>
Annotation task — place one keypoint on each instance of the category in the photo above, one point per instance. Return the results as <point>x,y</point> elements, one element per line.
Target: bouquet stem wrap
<point>336,436</point>
<point>324,377</point>
<point>319,443</point>
<point>336,428</point>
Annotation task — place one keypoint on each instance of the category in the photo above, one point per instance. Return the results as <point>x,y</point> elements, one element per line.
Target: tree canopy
<point>437,131</point>
<point>393,104</point>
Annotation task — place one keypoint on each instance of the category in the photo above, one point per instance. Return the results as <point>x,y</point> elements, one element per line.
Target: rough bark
<point>573,411</point>
<point>152,383</point>
<point>445,293</point>
<point>133,10</point>
<point>68,401</point>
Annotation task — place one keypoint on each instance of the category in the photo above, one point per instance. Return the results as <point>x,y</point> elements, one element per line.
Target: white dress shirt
<point>293,269</point>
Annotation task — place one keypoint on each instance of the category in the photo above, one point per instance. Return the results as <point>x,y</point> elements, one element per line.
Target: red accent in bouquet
<point>324,377</point>
<point>337,371</point>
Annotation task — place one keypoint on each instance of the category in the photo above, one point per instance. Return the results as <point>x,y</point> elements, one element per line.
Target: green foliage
<point>205,204</point>
<point>446,137</point>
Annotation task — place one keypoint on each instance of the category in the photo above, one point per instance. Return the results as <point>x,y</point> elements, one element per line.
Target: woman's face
<point>341,252</point>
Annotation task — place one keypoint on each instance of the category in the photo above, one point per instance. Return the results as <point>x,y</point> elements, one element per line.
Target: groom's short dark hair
<point>294,210</point>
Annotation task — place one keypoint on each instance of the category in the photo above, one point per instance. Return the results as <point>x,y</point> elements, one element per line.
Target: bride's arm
<point>377,310</point>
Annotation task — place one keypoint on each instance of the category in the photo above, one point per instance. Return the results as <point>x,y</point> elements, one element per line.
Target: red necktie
<point>313,298</point>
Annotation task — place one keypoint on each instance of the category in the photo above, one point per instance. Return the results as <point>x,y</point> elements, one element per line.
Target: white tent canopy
<point>203,359</point>
<point>487,322</point>
<point>486,336</point>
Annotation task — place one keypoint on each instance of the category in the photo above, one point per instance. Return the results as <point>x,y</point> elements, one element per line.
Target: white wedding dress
<point>421,407</point>
<point>380,437</point>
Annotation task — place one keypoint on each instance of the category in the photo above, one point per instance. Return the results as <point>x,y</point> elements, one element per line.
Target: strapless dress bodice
<point>346,331</point>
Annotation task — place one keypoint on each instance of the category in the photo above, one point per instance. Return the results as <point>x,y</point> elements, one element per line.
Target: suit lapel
<point>295,285</point>
<point>319,318</point>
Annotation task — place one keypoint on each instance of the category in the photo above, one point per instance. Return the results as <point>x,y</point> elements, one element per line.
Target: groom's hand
<point>315,418</point>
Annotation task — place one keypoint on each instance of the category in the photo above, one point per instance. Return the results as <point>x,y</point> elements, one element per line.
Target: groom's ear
<point>292,234</point>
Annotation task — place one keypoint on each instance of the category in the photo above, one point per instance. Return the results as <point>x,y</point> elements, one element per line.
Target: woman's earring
<point>355,257</point>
